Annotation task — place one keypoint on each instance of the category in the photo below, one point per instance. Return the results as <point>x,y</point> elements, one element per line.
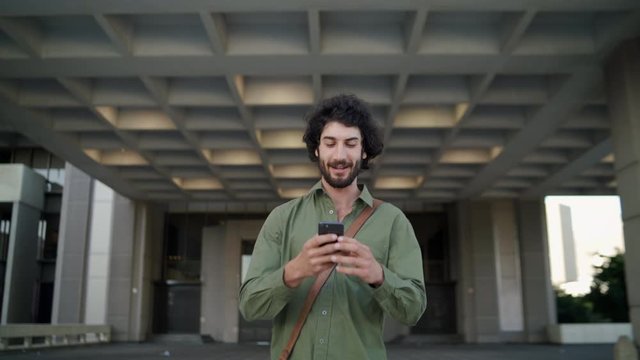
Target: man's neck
<point>342,198</point>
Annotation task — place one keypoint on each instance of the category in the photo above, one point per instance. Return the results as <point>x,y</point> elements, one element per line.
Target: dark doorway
<point>178,307</point>
<point>431,229</point>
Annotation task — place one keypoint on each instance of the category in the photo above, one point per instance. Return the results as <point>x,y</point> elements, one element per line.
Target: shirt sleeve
<point>263,294</point>
<point>402,295</point>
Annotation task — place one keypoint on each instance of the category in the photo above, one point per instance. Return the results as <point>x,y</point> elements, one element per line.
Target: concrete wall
<point>109,255</point>
<point>22,265</point>
<point>19,183</point>
<point>623,92</point>
<point>213,274</point>
<point>484,271</point>
<point>71,263</point>
<point>504,288</point>
<point>147,261</point>
<point>220,274</point>
<point>98,256</point>
<point>590,333</point>
<point>119,312</point>
<point>539,300</point>
<point>509,276</point>
<point>25,189</point>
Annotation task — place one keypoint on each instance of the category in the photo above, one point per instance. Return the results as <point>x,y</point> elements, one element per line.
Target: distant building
<point>569,245</point>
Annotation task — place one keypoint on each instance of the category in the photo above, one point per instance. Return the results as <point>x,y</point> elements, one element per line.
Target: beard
<point>343,182</point>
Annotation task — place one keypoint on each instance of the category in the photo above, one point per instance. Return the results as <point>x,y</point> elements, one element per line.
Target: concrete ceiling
<point>203,101</point>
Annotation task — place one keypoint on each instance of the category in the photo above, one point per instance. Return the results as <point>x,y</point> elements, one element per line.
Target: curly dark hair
<point>350,111</point>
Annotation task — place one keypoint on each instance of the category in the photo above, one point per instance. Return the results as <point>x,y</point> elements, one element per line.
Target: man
<point>378,273</point>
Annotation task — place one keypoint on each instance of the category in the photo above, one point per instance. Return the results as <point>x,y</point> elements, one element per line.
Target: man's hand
<point>355,258</point>
<point>312,260</point>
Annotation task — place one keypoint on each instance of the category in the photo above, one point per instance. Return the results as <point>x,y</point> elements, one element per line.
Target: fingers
<point>346,244</point>
<point>320,240</point>
<point>351,261</point>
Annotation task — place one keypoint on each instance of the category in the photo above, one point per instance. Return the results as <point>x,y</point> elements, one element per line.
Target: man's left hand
<point>356,258</point>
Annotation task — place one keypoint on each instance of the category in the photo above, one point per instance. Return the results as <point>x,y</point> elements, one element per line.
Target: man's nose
<point>341,152</point>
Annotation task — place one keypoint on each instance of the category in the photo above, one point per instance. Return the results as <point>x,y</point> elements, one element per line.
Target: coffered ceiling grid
<point>205,103</point>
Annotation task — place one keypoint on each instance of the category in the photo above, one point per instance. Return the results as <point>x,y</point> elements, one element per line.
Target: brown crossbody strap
<point>321,280</point>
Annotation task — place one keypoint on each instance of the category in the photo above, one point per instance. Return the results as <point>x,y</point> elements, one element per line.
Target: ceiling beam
<point>216,28</point>
<point>581,163</point>
<point>289,65</point>
<point>37,127</point>
<point>514,31</point>
<point>236,86</point>
<point>46,8</point>
<point>542,124</point>
<point>415,30</point>
<point>119,31</point>
<point>315,34</point>
<point>159,89</point>
<point>25,33</point>
<point>82,90</point>
<point>399,87</point>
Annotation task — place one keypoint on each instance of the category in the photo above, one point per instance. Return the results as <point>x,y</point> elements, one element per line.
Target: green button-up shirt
<point>346,321</point>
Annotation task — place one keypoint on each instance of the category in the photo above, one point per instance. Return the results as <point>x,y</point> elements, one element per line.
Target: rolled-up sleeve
<point>402,295</point>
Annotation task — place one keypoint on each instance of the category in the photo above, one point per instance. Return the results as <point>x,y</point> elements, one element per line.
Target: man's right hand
<point>312,260</point>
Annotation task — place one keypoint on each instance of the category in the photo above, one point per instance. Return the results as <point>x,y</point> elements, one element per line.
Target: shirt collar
<point>365,195</point>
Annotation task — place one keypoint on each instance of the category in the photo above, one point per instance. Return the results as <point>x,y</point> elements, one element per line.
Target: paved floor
<point>149,351</point>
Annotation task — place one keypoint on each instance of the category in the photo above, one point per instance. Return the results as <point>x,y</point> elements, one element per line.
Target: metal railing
<point>29,336</point>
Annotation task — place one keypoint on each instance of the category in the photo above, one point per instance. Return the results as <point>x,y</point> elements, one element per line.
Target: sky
<point>597,229</point>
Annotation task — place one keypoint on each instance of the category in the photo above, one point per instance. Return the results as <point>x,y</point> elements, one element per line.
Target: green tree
<point>573,309</point>
<point>608,295</point>
<point>606,300</point>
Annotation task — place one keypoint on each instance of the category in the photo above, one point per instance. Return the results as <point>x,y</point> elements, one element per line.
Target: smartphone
<point>330,227</point>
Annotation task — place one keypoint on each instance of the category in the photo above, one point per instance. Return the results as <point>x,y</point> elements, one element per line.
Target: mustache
<point>340,163</point>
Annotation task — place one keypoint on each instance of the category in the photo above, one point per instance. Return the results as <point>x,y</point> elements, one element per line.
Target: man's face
<point>340,154</point>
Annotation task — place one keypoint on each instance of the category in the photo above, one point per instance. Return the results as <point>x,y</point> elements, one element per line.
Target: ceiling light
<point>292,193</point>
<point>281,139</point>
<point>295,171</point>
<point>425,117</point>
<point>233,157</point>
<point>208,183</point>
<point>398,182</point>
<point>468,156</point>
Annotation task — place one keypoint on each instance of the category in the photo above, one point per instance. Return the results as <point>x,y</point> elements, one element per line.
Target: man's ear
<point>364,155</point>
<point>317,153</point>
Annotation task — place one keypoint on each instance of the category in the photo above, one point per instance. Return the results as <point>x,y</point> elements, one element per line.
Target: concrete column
<point>120,280</point>
<point>490,287</point>
<point>509,273</point>
<point>98,256</point>
<point>479,283</point>
<point>212,307</point>
<point>623,91</point>
<point>539,300</point>
<point>75,214</point>
<point>22,265</point>
<point>220,273</point>
<point>24,189</point>
<point>147,263</point>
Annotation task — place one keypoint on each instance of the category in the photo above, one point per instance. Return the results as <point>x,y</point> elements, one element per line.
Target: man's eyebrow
<point>327,137</point>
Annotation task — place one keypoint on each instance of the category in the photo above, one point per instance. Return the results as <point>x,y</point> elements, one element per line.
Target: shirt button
<point>321,341</point>
<point>331,212</point>
<point>324,312</point>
